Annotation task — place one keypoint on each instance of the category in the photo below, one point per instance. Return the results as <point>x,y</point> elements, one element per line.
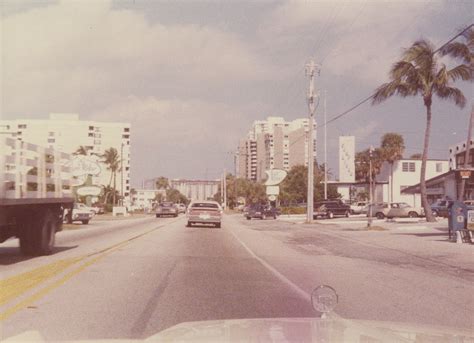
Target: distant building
<point>145,198</point>
<point>406,173</point>
<point>65,132</point>
<point>196,190</point>
<point>448,184</point>
<point>273,144</point>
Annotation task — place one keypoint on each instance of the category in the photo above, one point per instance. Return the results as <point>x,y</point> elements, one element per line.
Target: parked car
<point>403,210</point>
<point>79,214</point>
<point>469,204</point>
<point>85,208</point>
<point>98,208</point>
<point>378,210</point>
<point>331,208</point>
<point>262,212</point>
<point>204,212</point>
<point>245,210</point>
<point>181,208</point>
<point>440,208</point>
<point>359,207</point>
<point>166,209</point>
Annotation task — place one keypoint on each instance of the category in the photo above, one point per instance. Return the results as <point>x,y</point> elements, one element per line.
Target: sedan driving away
<point>204,212</point>
<point>166,209</point>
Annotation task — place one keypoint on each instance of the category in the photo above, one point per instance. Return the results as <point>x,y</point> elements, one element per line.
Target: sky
<point>192,76</point>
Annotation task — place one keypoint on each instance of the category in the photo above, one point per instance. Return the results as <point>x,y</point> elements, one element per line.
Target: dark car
<point>262,212</point>
<point>166,209</point>
<point>331,208</point>
<point>440,208</point>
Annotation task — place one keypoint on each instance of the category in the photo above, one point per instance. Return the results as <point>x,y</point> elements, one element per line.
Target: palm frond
<point>450,93</point>
<point>388,89</point>
<point>402,69</point>
<point>462,71</point>
<point>457,50</point>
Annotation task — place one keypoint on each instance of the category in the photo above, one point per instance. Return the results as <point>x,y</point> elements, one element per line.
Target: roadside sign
<point>465,174</point>
<point>275,176</point>
<point>470,220</point>
<point>273,190</point>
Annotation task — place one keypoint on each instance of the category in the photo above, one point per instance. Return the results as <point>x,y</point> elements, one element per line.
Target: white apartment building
<point>196,190</point>
<point>457,154</point>
<point>65,132</point>
<point>273,144</point>
<point>406,173</point>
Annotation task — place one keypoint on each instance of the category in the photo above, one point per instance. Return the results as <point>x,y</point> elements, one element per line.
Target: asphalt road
<point>134,278</point>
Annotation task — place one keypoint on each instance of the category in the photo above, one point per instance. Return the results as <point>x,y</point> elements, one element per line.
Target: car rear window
<point>167,204</point>
<point>204,204</point>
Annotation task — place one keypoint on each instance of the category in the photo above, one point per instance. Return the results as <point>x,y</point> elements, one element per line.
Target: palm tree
<point>464,52</point>
<point>82,150</point>
<point>392,147</point>
<point>419,72</point>
<point>111,158</point>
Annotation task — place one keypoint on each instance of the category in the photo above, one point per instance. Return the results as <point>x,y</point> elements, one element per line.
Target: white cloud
<point>68,55</point>
<point>357,39</point>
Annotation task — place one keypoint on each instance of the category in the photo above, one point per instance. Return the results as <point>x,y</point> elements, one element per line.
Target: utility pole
<point>325,150</point>
<point>225,189</point>
<point>311,70</point>
<point>371,205</point>
<point>466,155</point>
<point>121,174</point>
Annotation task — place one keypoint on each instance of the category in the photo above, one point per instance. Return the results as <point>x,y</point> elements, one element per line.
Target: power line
<point>373,94</point>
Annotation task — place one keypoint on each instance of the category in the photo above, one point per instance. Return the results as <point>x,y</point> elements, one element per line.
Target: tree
<point>82,150</point>
<point>465,52</point>
<point>162,183</point>
<point>293,189</point>
<point>419,72</point>
<point>416,156</point>
<point>392,147</point>
<point>175,196</point>
<point>362,166</point>
<point>112,160</point>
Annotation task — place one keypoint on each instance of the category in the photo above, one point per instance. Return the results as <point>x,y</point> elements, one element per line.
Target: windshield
<point>169,162</point>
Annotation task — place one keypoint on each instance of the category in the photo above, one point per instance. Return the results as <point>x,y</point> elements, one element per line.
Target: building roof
<point>416,188</point>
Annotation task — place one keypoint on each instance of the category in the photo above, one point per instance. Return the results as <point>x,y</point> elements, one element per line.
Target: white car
<point>84,207</point>
<point>359,207</point>
<point>204,212</point>
<point>79,214</point>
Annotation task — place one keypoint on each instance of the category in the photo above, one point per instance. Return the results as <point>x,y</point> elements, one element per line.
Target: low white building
<point>405,173</point>
<point>145,198</point>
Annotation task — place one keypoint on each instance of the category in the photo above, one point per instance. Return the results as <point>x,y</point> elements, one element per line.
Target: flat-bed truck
<point>35,191</point>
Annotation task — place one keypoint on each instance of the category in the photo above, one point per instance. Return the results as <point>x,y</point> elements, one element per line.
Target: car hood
<point>292,330</point>
<point>308,330</point>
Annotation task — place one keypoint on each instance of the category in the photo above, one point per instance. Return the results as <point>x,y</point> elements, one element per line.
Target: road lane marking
<point>19,284</point>
<point>298,290</point>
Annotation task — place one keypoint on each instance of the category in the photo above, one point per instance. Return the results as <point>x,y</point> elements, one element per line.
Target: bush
<point>293,210</point>
<point>108,208</point>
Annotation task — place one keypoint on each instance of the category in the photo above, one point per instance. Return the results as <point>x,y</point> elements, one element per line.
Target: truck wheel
<point>330,215</point>
<point>38,234</point>
<point>435,213</point>
<point>347,214</point>
<point>85,222</point>
<point>248,218</point>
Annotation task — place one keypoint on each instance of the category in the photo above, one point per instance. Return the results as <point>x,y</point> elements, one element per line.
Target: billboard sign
<point>275,176</point>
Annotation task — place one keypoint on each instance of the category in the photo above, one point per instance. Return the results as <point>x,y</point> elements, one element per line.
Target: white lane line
<point>303,294</point>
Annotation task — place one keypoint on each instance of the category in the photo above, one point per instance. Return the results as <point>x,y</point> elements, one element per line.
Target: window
<point>439,167</point>
<point>22,126</point>
<point>51,134</point>
<point>408,167</point>
<point>125,136</point>
<point>91,128</point>
<point>91,134</point>
<point>51,140</point>
<point>126,129</point>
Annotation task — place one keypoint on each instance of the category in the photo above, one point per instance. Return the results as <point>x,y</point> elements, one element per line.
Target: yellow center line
<point>15,286</point>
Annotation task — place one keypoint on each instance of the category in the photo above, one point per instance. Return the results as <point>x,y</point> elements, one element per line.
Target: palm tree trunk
<point>424,198</point>
<point>114,187</point>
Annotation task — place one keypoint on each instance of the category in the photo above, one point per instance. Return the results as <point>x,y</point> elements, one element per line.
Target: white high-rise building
<point>273,144</point>
<point>66,133</point>
<point>347,158</point>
